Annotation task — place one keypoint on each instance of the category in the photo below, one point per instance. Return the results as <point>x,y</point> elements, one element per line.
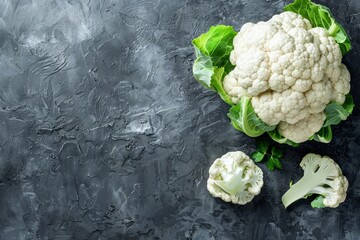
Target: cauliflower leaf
<point>324,135</point>
<point>212,62</point>
<point>318,202</point>
<point>277,137</point>
<point>320,16</point>
<point>335,113</point>
<point>244,119</point>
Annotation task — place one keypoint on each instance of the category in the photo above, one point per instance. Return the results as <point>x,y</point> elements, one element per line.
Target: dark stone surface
<point>105,134</point>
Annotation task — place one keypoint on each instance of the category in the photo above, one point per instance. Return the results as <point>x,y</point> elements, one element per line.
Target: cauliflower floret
<point>254,73</point>
<point>289,69</point>
<point>319,96</point>
<point>235,178</point>
<point>340,85</point>
<point>268,107</point>
<point>232,87</point>
<point>274,107</point>
<point>301,130</point>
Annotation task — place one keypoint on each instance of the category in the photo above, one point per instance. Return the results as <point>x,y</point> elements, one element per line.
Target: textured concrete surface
<point>105,134</point>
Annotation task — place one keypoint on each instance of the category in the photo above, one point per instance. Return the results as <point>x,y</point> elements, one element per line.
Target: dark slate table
<point>105,134</point>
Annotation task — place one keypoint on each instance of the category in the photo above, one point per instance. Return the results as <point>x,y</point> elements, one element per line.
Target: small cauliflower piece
<point>290,70</point>
<point>322,176</point>
<point>235,178</point>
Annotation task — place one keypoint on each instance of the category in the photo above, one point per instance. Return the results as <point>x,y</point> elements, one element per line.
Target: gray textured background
<point>105,134</point>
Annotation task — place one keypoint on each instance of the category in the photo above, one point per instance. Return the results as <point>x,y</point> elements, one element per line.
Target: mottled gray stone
<point>105,134</point>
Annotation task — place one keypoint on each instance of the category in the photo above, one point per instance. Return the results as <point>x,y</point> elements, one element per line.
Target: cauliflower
<point>235,178</point>
<point>283,77</point>
<point>322,176</point>
<point>290,70</point>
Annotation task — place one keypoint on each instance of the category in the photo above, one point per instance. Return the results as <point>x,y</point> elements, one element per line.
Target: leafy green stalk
<point>321,16</point>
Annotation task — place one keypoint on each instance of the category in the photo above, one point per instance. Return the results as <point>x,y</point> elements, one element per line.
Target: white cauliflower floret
<point>254,73</point>
<point>340,85</point>
<point>289,69</point>
<point>301,130</point>
<point>319,96</point>
<point>231,86</point>
<point>289,106</point>
<point>235,178</point>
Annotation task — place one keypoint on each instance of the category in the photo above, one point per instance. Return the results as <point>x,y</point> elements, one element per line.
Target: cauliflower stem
<point>237,182</point>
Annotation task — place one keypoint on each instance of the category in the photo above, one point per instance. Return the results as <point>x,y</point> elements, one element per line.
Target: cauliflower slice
<point>323,176</point>
<point>235,178</point>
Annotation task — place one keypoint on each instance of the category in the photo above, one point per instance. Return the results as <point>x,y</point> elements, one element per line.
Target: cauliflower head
<point>290,70</point>
<point>235,178</point>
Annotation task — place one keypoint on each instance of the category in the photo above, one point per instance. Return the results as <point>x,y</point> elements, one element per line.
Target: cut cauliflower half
<point>290,70</point>
<point>235,178</point>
